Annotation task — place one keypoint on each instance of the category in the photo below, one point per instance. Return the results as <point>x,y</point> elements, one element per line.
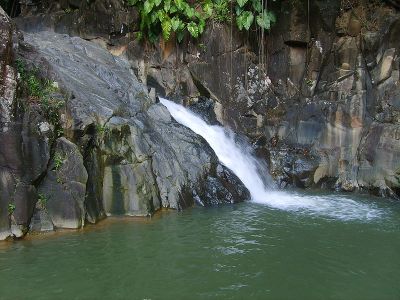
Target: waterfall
<point>245,166</point>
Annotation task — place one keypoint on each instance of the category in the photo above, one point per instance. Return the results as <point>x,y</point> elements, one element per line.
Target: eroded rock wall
<point>319,100</point>
<point>24,150</point>
<point>116,151</point>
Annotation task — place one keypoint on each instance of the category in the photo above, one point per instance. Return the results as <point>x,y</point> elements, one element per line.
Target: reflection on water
<point>229,252</point>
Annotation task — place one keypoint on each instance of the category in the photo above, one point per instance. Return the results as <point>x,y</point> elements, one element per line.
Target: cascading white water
<point>245,166</point>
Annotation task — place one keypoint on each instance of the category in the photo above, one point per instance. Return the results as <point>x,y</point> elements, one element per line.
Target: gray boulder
<point>138,159</point>
<point>64,187</point>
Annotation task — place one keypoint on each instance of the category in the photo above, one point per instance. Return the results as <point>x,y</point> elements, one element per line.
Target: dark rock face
<point>204,107</point>
<point>8,84</point>
<point>100,19</point>
<point>64,186</point>
<point>326,102</point>
<point>122,153</point>
<point>24,150</point>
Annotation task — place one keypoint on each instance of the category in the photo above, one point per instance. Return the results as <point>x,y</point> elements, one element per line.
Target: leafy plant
<point>178,17</point>
<point>41,91</point>
<point>309,82</point>
<point>58,161</point>
<point>11,208</point>
<point>244,19</point>
<point>221,11</point>
<point>248,10</point>
<point>266,19</point>
<point>171,17</point>
<point>42,200</point>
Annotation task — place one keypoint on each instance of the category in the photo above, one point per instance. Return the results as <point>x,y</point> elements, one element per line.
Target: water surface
<point>243,251</point>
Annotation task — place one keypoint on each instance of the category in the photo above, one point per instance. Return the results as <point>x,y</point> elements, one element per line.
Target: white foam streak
<point>245,166</point>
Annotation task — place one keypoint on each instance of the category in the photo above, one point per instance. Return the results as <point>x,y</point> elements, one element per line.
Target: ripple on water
<point>336,207</point>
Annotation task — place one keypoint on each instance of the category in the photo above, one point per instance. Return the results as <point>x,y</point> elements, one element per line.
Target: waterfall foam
<point>246,167</point>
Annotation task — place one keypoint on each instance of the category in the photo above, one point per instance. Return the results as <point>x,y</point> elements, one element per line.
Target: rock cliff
<point>95,144</point>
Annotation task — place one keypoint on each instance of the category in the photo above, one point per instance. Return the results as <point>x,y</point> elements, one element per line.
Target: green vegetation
<point>11,208</point>
<point>248,10</point>
<point>309,82</point>
<point>42,92</point>
<point>58,161</point>
<point>42,200</point>
<point>100,128</point>
<point>221,11</point>
<point>178,17</point>
<point>170,16</point>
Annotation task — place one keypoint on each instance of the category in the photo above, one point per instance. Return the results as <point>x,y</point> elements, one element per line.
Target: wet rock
<point>293,166</point>
<point>64,186</point>
<point>110,19</point>
<point>354,27</point>
<point>138,158</point>
<point>23,208</point>
<point>384,69</point>
<point>205,108</point>
<point>24,151</point>
<point>221,187</point>
<point>237,192</point>
<point>41,221</point>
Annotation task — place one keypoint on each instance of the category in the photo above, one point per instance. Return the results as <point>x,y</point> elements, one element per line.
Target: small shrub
<point>42,92</point>
<point>42,200</point>
<point>222,11</point>
<point>58,161</point>
<point>11,208</point>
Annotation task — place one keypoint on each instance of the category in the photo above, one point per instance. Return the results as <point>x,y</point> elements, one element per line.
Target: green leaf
<point>180,4</point>
<point>154,17</point>
<point>176,23</point>
<point>148,6</point>
<point>139,35</point>
<point>167,5</point>
<point>132,2</point>
<point>153,37</point>
<point>238,10</point>
<point>193,29</point>
<point>201,26</point>
<point>166,28</point>
<point>173,9</point>
<point>189,11</point>
<point>242,2</point>
<point>257,5</point>
<point>266,19</point>
<point>180,35</point>
<point>161,15</point>
<point>208,9</point>
<point>245,20</point>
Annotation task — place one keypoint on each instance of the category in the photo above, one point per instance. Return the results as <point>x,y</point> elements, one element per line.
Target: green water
<point>245,251</point>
